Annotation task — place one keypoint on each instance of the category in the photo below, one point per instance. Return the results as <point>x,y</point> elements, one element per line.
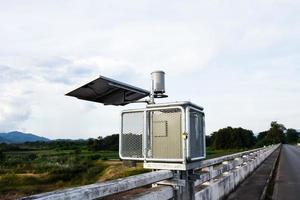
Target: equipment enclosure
<point>163,133</point>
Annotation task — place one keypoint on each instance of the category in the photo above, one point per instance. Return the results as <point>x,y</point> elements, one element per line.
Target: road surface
<point>287,182</point>
<point>254,186</point>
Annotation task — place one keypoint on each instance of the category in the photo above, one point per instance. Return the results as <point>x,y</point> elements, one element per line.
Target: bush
<point>31,156</point>
<point>67,173</point>
<point>95,157</point>
<point>232,138</point>
<point>2,156</point>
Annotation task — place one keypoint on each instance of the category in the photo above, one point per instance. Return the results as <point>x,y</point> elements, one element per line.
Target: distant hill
<point>19,137</point>
<point>3,140</point>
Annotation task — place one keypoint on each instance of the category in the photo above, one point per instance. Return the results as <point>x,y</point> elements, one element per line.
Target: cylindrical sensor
<point>158,82</point>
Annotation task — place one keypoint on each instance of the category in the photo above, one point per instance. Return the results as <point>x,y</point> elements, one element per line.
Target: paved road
<point>287,183</point>
<point>253,187</point>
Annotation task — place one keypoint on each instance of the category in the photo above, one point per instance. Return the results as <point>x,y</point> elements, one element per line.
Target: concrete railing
<point>209,179</point>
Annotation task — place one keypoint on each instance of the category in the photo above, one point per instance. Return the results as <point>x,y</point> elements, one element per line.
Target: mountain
<point>19,137</point>
<point>3,140</point>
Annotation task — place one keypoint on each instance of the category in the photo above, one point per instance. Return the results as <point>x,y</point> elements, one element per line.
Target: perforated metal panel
<point>165,132</point>
<point>196,134</point>
<point>132,135</point>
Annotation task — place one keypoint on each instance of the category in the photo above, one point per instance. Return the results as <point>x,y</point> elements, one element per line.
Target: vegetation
<point>292,136</point>
<point>239,138</point>
<point>277,134</point>
<point>108,143</point>
<point>34,167</point>
<point>213,153</point>
<point>232,138</point>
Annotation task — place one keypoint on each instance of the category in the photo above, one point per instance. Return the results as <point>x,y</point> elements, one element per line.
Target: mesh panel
<point>166,130</point>
<point>132,132</point>
<point>196,134</point>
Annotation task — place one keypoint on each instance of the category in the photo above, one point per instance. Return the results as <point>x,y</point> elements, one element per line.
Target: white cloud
<point>14,105</point>
<point>239,59</point>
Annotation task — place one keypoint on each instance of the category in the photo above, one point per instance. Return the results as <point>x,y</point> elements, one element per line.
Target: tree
<point>2,156</point>
<point>274,135</point>
<point>261,135</point>
<point>110,142</point>
<point>232,138</point>
<point>292,136</point>
<point>221,138</point>
<point>208,140</point>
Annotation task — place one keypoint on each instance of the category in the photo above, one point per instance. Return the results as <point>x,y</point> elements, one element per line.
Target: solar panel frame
<point>109,92</point>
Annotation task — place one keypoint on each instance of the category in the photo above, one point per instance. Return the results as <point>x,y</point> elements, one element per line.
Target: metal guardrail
<point>210,179</point>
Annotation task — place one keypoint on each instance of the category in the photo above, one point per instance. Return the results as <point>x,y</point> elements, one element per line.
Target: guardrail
<point>209,179</point>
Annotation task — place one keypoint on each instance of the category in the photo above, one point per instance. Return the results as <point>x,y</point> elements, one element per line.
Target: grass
<point>118,170</point>
<point>213,153</point>
<point>28,172</point>
<point>24,173</point>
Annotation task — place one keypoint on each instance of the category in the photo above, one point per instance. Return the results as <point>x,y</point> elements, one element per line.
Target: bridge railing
<point>209,179</point>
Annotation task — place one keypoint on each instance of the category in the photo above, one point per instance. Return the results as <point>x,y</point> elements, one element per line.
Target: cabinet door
<point>196,134</point>
<point>132,135</point>
<point>166,134</point>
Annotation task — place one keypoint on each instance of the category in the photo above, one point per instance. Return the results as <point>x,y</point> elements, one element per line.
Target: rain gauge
<point>162,135</point>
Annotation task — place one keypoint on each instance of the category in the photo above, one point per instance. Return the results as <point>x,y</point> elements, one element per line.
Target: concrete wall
<point>228,181</point>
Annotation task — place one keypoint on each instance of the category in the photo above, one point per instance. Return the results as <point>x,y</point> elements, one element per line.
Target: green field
<point>30,171</point>
<point>212,153</point>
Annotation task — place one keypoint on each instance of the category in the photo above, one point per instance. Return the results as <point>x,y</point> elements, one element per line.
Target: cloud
<point>14,104</point>
<point>13,112</point>
<point>239,60</point>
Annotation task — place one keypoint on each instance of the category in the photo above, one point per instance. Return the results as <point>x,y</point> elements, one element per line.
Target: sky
<point>240,60</point>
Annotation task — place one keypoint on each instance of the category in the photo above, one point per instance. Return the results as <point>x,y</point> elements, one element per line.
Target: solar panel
<point>109,92</point>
